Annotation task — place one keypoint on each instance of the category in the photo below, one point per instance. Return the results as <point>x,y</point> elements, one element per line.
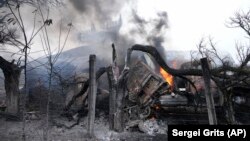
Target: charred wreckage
<point>138,92</point>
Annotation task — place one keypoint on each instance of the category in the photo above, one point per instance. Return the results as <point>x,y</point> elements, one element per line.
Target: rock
<point>33,115</point>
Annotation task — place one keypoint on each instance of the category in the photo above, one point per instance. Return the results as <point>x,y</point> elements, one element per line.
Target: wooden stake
<point>209,98</point>
<point>92,95</point>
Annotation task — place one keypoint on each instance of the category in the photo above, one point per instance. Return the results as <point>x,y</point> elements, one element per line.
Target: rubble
<point>152,127</point>
<point>32,115</point>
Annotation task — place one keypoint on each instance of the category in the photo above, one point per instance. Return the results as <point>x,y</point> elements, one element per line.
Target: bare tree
<point>13,23</point>
<point>52,58</point>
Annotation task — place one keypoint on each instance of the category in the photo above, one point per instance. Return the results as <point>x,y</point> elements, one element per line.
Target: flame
<point>168,77</point>
<point>156,107</point>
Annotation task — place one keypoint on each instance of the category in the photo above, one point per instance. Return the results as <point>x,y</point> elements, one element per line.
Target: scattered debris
<point>152,127</point>
<point>32,115</point>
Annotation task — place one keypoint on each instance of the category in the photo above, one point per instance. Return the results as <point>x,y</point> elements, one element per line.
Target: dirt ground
<point>12,131</point>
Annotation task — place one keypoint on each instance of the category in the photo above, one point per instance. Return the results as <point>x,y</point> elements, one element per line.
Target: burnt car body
<point>147,90</point>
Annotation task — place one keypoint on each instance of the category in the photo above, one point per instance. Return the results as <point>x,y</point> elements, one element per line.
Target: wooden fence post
<point>92,95</point>
<point>209,97</point>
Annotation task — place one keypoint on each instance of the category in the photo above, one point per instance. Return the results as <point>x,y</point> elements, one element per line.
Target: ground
<point>12,131</point>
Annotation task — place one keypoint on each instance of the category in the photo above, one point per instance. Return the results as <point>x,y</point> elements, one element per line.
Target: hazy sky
<point>190,20</point>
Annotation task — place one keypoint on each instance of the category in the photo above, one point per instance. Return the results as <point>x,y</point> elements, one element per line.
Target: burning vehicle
<point>149,91</point>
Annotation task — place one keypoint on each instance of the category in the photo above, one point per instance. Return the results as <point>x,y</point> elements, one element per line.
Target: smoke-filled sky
<point>172,24</point>
<point>190,20</point>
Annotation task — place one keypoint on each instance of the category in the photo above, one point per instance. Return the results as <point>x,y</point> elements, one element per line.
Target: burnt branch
<point>114,54</point>
<point>153,52</point>
<point>85,87</point>
<point>247,59</point>
<point>216,72</point>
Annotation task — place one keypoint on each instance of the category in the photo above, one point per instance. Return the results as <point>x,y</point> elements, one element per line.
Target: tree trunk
<point>12,74</point>
<point>112,96</point>
<point>12,94</point>
<point>118,117</point>
<point>119,112</point>
<point>228,105</point>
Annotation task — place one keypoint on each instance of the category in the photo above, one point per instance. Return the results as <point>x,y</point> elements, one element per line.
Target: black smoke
<point>153,30</point>
<point>99,10</point>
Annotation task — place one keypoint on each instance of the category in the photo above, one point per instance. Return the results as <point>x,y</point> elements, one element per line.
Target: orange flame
<point>168,77</point>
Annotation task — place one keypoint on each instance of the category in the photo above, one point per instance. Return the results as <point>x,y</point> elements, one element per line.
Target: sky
<point>191,20</point>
